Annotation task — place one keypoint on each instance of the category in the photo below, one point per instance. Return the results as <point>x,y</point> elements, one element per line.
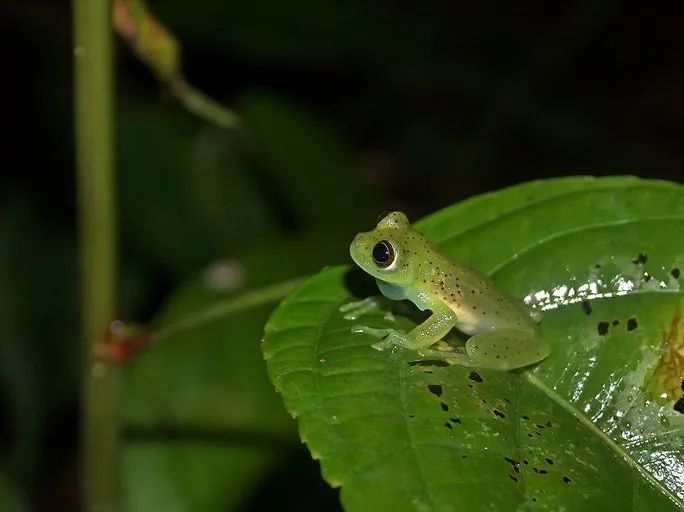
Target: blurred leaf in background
<point>202,424</point>
<point>39,346</point>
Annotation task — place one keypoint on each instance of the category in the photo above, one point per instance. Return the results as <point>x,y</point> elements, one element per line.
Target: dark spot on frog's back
<point>474,376</point>
<point>444,406</point>
<point>675,273</point>
<point>435,389</point>
<point>586,307</point>
<point>631,324</point>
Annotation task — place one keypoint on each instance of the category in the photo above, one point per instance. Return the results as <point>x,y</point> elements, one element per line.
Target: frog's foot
<point>389,316</point>
<point>449,354</point>
<point>381,346</point>
<point>388,337</point>
<point>443,346</point>
<point>505,349</point>
<point>355,310</point>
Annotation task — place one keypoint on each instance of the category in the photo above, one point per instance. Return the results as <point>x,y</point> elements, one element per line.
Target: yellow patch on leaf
<point>667,380</point>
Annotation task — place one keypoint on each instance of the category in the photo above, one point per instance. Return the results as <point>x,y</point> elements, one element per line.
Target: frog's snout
<point>358,247</point>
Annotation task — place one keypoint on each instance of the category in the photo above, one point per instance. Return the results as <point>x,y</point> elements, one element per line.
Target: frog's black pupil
<point>383,253</point>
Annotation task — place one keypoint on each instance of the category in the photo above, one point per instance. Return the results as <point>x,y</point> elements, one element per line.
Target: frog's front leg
<point>429,332</point>
<point>354,310</point>
<point>432,330</point>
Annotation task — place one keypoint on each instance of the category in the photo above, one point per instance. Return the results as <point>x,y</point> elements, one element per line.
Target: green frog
<point>503,332</point>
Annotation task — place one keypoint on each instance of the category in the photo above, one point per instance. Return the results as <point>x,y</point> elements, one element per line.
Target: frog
<point>503,332</point>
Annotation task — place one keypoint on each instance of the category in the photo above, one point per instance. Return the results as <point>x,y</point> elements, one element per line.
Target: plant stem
<point>95,180</point>
<point>198,103</point>
<point>157,47</point>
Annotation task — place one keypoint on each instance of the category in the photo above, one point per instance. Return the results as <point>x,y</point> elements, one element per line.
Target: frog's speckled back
<point>471,295</point>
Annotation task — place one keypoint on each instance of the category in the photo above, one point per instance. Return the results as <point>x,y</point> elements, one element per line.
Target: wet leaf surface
<point>594,426</point>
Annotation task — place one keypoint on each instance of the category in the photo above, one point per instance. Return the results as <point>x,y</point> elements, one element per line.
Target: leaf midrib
<point>414,447</point>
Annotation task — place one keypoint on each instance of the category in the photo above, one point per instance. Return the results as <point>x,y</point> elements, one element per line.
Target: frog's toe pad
<point>443,346</point>
<point>372,331</point>
<point>354,310</point>
<point>381,345</point>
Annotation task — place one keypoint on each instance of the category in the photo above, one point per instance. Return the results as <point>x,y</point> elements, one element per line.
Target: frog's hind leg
<point>440,350</point>
<point>498,350</point>
<point>505,349</point>
<point>453,355</point>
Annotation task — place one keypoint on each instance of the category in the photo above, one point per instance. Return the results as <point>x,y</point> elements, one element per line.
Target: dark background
<point>349,107</point>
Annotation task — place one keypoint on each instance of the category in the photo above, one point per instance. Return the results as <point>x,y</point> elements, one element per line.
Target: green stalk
<point>95,180</point>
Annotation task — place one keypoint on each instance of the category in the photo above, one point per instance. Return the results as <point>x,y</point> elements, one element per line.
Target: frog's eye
<point>383,254</point>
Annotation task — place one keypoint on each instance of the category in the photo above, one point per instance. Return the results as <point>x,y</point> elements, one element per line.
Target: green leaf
<point>592,427</point>
<point>191,475</point>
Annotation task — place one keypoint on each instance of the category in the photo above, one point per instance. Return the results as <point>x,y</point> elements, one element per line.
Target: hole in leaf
<point>435,389</point>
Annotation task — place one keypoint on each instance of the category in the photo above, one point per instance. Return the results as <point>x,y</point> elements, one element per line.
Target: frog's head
<point>384,252</point>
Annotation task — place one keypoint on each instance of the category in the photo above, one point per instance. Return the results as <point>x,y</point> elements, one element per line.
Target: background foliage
<point>349,107</point>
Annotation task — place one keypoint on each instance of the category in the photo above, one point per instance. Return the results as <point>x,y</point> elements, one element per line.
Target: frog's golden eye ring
<point>383,254</point>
